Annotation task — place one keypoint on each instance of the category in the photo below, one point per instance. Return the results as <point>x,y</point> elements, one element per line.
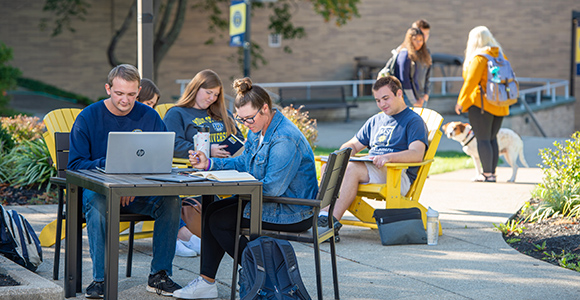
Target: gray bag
<point>400,226</point>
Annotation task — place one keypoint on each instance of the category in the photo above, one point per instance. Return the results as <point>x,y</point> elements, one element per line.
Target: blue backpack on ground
<point>18,241</point>
<point>270,271</point>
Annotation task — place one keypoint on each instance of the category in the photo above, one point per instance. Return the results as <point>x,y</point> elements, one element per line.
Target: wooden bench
<point>316,98</point>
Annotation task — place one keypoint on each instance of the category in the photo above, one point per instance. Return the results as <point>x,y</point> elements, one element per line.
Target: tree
<point>8,76</point>
<point>170,17</point>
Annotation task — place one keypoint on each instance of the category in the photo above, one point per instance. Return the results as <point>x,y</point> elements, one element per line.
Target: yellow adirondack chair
<point>163,108</point>
<point>390,192</point>
<point>62,120</point>
<point>58,120</point>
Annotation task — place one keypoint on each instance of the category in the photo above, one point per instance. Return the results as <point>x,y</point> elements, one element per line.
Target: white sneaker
<point>194,244</point>
<point>183,251</point>
<point>197,289</point>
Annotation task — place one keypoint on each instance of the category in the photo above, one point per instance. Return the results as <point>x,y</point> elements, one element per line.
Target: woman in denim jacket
<point>277,154</point>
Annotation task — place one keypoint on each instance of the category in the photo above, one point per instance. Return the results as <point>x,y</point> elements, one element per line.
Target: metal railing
<point>548,86</point>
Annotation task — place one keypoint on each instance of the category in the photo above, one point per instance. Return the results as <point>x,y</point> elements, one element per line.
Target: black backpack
<point>389,68</point>
<point>270,271</point>
<point>18,241</point>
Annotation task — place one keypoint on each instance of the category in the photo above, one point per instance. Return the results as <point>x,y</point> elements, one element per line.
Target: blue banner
<point>237,23</point>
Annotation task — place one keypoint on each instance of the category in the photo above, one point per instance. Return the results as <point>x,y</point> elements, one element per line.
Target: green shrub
<point>8,75</point>
<point>27,164</point>
<point>23,128</point>
<point>559,191</point>
<point>39,86</point>
<point>6,141</point>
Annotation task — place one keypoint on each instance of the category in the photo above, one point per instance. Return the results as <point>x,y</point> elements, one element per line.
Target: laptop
<point>139,153</point>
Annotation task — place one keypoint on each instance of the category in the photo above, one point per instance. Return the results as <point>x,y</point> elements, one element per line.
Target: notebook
<point>174,178</point>
<point>139,152</point>
<point>235,146</point>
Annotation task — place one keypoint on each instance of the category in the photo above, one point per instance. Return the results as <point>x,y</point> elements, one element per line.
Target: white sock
<point>323,213</point>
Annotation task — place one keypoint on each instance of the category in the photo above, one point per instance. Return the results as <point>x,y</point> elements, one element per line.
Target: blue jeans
<point>165,210</point>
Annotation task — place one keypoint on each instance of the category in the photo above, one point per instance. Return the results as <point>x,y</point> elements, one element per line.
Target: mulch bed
<point>27,195</point>
<point>555,240</point>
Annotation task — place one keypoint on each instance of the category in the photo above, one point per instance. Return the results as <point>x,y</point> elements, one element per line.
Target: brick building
<point>535,34</point>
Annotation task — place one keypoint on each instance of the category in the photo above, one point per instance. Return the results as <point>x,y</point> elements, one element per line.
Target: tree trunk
<point>163,42</point>
<point>113,61</point>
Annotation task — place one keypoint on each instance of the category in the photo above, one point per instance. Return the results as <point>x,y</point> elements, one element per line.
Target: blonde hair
<point>479,40</point>
<point>208,79</point>
<point>246,93</point>
<point>422,55</point>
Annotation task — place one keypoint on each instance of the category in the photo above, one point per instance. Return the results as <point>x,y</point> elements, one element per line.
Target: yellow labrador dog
<point>510,145</point>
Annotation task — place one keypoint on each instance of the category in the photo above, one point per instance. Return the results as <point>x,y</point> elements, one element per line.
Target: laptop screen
<point>139,152</point>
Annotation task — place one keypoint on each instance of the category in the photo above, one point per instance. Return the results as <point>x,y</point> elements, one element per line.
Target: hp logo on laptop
<point>140,152</point>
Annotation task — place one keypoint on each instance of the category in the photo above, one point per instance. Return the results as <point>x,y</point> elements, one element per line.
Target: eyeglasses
<point>249,120</point>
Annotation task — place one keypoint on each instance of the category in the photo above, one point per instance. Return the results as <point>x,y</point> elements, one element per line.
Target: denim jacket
<point>284,163</point>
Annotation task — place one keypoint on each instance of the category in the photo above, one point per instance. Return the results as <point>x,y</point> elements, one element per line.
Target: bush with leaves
<point>27,160</point>
<point>23,128</point>
<point>27,164</point>
<point>559,192</point>
<point>6,142</point>
<point>8,75</point>
<point>301,119</point>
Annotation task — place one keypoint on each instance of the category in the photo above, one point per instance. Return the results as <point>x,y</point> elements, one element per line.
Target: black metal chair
<point>62,150</point>
<point>327,194</point>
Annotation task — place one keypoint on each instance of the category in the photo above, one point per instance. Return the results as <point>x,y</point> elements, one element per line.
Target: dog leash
<point>470,138</point>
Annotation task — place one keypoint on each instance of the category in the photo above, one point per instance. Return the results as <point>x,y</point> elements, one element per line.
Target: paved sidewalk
<point>471,261</point>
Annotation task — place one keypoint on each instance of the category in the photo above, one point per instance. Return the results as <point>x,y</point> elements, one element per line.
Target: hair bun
<point>243,85</point>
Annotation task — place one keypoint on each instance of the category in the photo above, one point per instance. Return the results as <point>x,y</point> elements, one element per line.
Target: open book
<point>224,175</point>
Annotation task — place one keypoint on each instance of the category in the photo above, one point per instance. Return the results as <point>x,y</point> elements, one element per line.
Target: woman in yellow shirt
<point>485,122</point>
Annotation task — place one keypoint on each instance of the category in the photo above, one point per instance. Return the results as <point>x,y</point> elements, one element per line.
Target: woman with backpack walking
<point>413,67</point>
<point>485,121</point>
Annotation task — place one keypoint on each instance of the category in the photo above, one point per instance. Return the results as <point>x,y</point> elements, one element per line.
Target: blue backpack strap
<point>22,234</point>
<point>293,271</point>
<point>258,256</point>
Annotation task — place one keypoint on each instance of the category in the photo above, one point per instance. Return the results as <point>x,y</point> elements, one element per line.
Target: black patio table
<point>116,186</point>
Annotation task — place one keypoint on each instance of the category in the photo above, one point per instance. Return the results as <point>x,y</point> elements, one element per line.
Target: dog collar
<point>469,138</point>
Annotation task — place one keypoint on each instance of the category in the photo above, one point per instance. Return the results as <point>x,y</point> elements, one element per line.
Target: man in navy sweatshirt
<point>88,149</point>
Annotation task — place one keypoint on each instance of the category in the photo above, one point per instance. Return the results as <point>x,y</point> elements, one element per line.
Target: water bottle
<point>495,74</point>
<point>201,140</point>
<point>432,226</point>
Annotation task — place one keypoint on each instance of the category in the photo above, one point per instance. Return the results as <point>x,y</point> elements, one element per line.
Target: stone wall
<point>556,121</point>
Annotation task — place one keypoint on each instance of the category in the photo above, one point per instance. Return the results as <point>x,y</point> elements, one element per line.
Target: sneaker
<point>161,284</point>
<point>323,222</point>
<point>197,289</point>
<point>95,290</point>
<point>182,250</point>
<point>194,244</point>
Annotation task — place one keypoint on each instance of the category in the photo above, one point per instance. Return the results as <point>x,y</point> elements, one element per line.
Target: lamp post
<point>247,40</point>
<point>145,38</point>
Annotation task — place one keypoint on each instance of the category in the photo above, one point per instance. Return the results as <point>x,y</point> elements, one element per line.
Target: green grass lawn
<point>445,161</point>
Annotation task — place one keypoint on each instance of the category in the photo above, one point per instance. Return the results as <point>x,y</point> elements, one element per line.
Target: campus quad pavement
<point>471,261</point>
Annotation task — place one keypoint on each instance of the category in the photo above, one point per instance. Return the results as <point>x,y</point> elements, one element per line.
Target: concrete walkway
<point>471,261</point>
